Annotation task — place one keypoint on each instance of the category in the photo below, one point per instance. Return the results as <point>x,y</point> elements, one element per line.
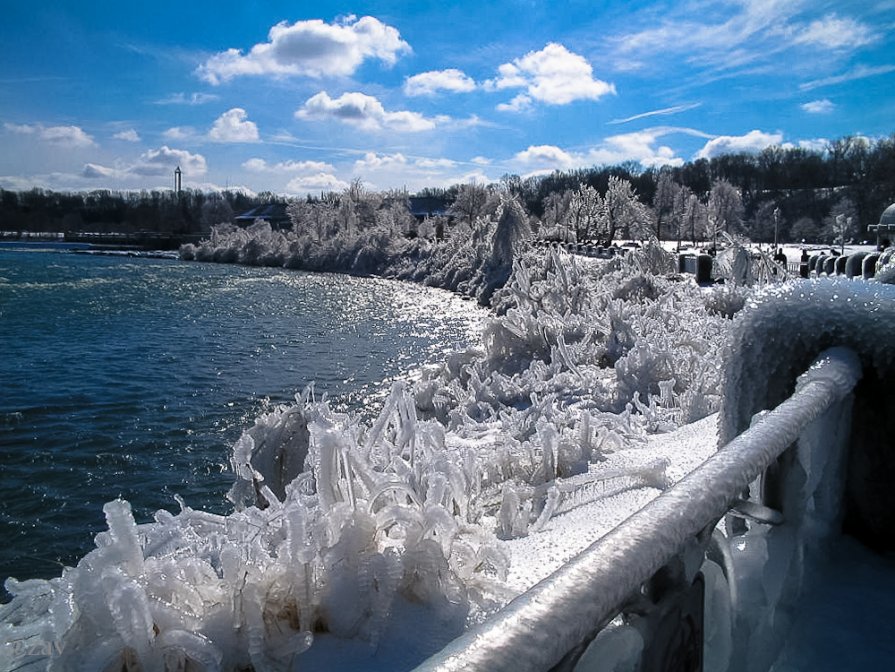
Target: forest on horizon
<point>798,190</point>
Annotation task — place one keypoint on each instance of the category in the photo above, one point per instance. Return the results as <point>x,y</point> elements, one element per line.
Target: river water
<point>132,377</point>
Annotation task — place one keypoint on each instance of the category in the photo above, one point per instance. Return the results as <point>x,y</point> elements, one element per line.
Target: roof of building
<point>275,213</point>
<point>427,206</point>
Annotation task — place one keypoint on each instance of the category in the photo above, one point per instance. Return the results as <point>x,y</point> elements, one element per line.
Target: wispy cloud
<point>736,34</point>
<point>191,99</point>
<point>258,165</point>
<point>665,111</point>
<point>179,133</point>
<point>129,135</point>
<point>833,32</point>
<point>858,72</point>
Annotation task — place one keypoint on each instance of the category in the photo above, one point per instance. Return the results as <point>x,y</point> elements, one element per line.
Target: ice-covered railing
<point>683,582</point>
<point>653,554</point>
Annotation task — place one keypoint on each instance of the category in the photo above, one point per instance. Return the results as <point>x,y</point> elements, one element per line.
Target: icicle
<point>123,531</point>
<point>550,506</point>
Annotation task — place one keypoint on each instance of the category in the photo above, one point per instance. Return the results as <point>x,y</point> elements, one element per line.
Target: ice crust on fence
<point>340,527</point>
<point>787,326</point>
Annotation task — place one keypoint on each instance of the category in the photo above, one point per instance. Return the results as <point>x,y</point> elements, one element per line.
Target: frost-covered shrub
<point>376,516</point>
<point>725,300</point>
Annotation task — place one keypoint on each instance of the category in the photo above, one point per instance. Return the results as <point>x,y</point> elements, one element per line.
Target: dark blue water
<point>130,377</point>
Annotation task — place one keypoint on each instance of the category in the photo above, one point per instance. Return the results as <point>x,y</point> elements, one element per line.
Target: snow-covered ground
<point>628,480</point>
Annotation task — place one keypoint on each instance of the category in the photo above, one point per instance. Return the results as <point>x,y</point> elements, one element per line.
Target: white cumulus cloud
<point>750,143</point>
<point>815,144</point>
<point>430,83</point>
<point>311,48</point>
<point>311,184</point>
<point>234,126</point>
<point>130,135</point>
<point>553,75</point>
<point>547,157</point>
<point>387,170</point>
<point>64,136</point>
<point>159,162</point>
<point>822,106</point>
<point>163,160</point>
<point>520,103</point>
<point>640,146</point>
<point>95,171</point>
<point>363,111</point>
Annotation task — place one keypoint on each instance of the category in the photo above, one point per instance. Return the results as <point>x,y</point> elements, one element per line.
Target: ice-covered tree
<point>511,228</point>
<point>842,222</point>
<point>315,219</point>
<point>471,202</point>
<point>726,207</point>
<point>394,216</point>
<point>623,213</point>
<point>695,217</point>
<point>556,214</point>
<point>585,210</point>
<point>664,201</point>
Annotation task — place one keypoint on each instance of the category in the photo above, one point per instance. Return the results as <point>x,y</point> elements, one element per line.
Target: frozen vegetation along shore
<point>474,260</point>
<point>345,532</point>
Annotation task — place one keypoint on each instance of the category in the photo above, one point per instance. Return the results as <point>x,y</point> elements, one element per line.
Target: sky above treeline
<point>302,97</point>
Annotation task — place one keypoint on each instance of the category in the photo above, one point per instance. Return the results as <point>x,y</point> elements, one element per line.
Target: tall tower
<point>177,176</point>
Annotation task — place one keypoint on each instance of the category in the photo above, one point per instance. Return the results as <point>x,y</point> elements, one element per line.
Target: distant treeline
<point>807,188</point>
<point>104,211</point>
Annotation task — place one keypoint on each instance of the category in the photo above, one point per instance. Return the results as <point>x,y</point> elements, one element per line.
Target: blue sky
<point>299,97</point>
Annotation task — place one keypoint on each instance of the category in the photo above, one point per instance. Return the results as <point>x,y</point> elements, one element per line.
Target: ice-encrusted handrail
<point>542,625</point>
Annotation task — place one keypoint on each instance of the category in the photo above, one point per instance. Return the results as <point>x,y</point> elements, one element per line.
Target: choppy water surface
<point>132,377</point>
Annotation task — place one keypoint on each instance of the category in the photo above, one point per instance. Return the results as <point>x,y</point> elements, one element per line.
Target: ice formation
<point>340,527</point>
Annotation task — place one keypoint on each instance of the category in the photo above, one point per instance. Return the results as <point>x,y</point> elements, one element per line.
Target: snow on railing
<point>648,568</point>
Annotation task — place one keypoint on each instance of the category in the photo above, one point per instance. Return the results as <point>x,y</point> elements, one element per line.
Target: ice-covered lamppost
<point>776,225</point>
<point>843,224</point>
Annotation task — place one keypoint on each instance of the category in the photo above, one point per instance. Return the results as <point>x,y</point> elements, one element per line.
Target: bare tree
<point>216,210</point>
